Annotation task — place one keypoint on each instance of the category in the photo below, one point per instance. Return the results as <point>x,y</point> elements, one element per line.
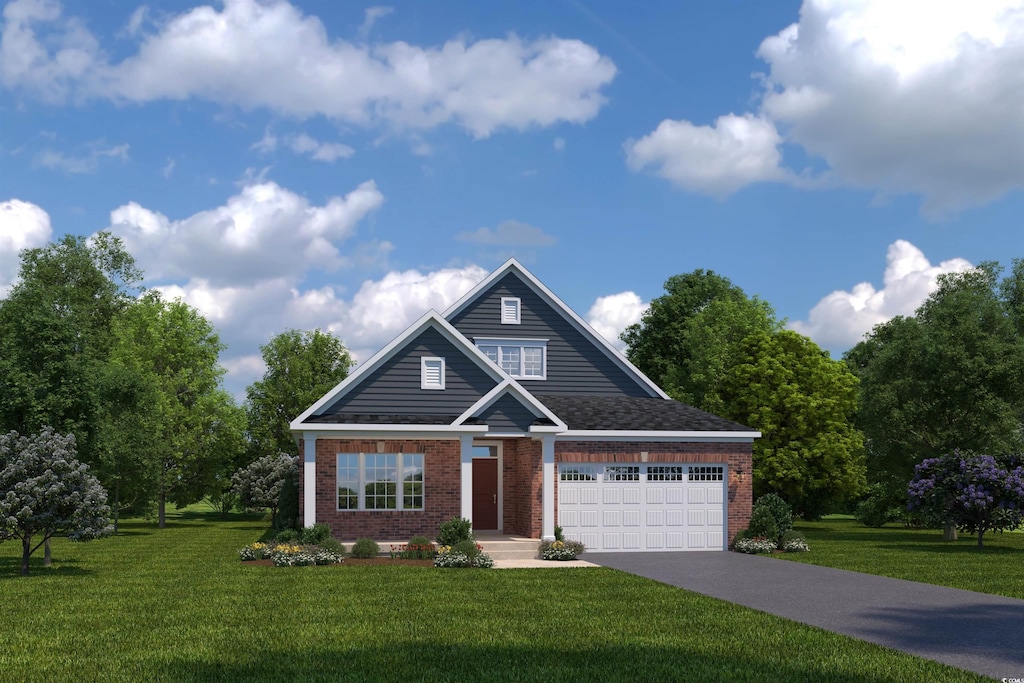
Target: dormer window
<point>510,310</point>
<point>431,373</point>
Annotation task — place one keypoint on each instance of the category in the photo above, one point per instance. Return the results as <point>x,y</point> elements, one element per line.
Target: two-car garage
<point>643,506</point>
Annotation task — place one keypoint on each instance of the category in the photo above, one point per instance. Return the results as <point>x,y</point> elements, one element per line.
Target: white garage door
<point>642,507</point>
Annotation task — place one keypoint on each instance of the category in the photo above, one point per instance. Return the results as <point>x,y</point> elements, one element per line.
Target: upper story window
<point>511,313</point>
<point>519,358</point>
<point>431,373</point>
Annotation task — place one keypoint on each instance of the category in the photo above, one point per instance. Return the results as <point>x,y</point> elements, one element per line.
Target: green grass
<point>917,555</point>
<point>177,605</point>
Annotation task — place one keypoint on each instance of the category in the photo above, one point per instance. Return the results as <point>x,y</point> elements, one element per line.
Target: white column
<point>309,479</point>
<point>548,494</point>
<point>466,445</point>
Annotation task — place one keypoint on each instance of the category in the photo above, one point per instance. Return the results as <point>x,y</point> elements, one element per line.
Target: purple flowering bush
<point>978,493</point>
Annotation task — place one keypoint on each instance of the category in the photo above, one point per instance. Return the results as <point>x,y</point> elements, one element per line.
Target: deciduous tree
<point>259,485</point>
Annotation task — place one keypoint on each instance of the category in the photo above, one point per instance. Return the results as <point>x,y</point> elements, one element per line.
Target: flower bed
<point>289,554</point>
<point>561,550</point>
<point>459,557</point>
<point>756,545</point>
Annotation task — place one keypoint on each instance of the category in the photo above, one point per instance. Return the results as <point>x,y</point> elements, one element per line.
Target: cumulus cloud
<point>23,225</point>
<point>715,160</point>
<point>509,233</point>
<point>901,97</point>
<point>263,232</point>
<point>612,314</point>
<point>269,55</point>
<point>842,318</point>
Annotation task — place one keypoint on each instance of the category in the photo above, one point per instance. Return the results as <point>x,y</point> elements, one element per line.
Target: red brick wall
<point>522,487</point>
<point>441,491</point>
<point>737,457</point>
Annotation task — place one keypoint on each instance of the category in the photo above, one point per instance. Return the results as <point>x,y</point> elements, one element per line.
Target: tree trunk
<point>949,532</point>
<point>26,547</point>
<point>981,532</point>
<point>117,502</point>
<point>161,515</point>
<point>47,562</point>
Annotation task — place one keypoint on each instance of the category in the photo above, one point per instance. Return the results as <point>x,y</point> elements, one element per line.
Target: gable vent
<point>431,373</point>
<point>510,310</point>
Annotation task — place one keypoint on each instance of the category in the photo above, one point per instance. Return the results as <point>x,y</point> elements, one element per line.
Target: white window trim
<point>424,362</point>
<point>519,310</point>
<point>399,492</point>
<point>521,344</point>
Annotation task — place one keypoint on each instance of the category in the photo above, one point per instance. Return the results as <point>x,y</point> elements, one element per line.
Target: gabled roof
<point>432,319</point>
<point>513,266</point>
<point>636,414</point>
<point>513,388</point>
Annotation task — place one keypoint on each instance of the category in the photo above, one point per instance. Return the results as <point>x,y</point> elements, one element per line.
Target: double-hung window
<point>519,358</point>
<point>380,481</point>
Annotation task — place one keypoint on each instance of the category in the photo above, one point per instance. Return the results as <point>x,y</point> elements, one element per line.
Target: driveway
<point>974,631</point>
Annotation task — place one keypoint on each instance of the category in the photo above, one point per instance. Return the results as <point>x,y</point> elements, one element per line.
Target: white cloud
<point>266,144</point>
<point>509,233</point>
<point>559,144</point>
<point>23,225</point>
<point>612,314</point>
<point>270,55</point>
<point>842,318</point>
<point>263,232</point>
<point>89,163</point>
<point>319,151</point>
<point>371,16</point>
<point>715,160</point>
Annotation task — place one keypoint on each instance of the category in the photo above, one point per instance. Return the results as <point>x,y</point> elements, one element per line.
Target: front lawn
<point>177,605</point>
<point>917,555</point>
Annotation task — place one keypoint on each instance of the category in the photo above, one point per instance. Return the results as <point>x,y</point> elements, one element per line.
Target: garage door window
<point>579,473</point>
<point>665,473</point>
<point>621,473</point>
<point>705,473</point>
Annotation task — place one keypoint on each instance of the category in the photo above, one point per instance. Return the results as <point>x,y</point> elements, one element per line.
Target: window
<point>431,373</point>
<point>511,313</point>
<point>665,473</point>
<point>706,473</point>
<point>370,481</point>
<point>519,358</point>
<point>622,473</point>
<point>578,473</point>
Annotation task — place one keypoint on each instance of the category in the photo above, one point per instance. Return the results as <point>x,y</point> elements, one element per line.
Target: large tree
<point>802,401</point>
<point>195,428</point>
<point>45,491</point>
<point>301,367</point>
<point>951,376</point>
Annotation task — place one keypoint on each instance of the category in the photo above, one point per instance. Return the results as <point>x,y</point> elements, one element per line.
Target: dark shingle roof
<point>351,418</point>
<point>635,413</point>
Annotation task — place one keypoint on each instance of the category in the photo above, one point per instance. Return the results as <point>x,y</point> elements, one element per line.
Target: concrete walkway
<point>973,631</point>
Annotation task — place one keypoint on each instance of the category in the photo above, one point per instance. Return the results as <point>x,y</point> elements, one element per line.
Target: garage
<point>643,507</point>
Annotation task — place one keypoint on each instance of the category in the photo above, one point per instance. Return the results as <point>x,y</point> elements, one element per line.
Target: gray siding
<point>394,387</point>
<point>507,414</point>
<point>575,364</point>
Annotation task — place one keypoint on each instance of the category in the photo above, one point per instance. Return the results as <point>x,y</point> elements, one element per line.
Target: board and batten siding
<point>508,414</point>
<point>394,387</point>
<point>575,364</point>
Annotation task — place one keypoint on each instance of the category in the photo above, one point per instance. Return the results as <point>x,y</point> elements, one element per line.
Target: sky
<point>349,166</point>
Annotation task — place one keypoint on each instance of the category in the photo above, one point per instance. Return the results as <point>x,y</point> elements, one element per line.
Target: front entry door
<point>485,494</point>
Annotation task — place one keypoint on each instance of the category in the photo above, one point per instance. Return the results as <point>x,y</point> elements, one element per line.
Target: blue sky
<point>348,166</point>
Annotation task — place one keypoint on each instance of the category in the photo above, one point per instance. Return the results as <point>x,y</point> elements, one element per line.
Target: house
<point>509,410</point>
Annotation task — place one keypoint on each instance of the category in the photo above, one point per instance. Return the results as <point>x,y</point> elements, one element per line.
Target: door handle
<point>495,498</point>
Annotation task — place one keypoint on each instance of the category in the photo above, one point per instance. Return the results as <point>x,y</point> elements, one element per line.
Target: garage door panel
<point>714,494</point>
<point>568,518</point>
<point>655,495</point>
<point>631,541</point>
<point>674,517</point>
<point>696,517</point>
<point>674,541</point>
<point>631,518</point>
<point>568,495</point>
<point>631,495</point>
<point>655,518</point>
<point>715,517</point>
<point>695,496</point>
<point>589,518</point>
<point>588,495</point>
<point>716,539</point>
<point>655,541</point>
<point>675,495</point>
<point>611,541</point>
<point>612,496</point>
<point>695,540</point>
<point>612,518</point>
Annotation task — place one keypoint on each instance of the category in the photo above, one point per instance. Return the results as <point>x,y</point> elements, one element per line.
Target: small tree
<point>259,485</point>
<point>977,493</point>
<point>45,491</point>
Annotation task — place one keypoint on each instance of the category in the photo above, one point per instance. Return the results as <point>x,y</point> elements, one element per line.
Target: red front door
<point>485,494</point>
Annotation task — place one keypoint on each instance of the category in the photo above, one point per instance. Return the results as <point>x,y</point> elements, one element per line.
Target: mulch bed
<point>355,562</point>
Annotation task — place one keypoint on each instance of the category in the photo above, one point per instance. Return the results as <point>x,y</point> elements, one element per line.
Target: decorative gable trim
<point>431,319</point>
<point>510,386</point>
<point>549,297</point>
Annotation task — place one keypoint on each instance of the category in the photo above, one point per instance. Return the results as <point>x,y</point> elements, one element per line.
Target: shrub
<point>316,534</point>
<point>878,507</point>
<point>288,503</point>
<point>780,510</point>
<point>365,548</point>
<point>754,545</point>
<point>762,524</point>
<point>332,544</point>
<point>793,542</point>
<point>558,533</point>
<point>454,530</point>
<point>418,548</point>
<point>449,557</point>
<point>740,535</point>
<point>254,551</point>
<point>287,536</point>
<point>560,550</point>
<point>469,548</point>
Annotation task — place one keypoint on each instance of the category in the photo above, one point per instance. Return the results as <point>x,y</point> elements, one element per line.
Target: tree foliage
<point>45,491</point>
<point>978,493</point>
<point>301,368</point>
<point>949,377</point>
<point>259,485</point>
<point>802,402</point>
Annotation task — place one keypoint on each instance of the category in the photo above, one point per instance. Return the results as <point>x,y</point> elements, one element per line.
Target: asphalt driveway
<point>974,631</point>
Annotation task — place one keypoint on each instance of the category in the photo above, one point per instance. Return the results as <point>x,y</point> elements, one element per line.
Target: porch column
<point>548,490</point>
<point>309,479</point>
<point>466,446</point>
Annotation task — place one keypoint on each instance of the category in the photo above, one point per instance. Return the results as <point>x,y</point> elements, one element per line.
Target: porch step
<point>521,549</point>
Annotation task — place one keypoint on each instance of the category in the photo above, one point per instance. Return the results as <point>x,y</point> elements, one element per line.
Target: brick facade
<point>522,480</point>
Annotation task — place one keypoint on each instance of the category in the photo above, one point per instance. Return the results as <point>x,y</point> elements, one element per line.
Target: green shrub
<point>762,525</point>
<point>287,536</point>
<point>558,533</point>
<point>316,534</point>
<point>288,505</point>
<point>793,542</point>
<point>877,508</point>
<point>365,548</point>
<point>418,548</point>
<point>467,547</point>
<point>779,509</point>
<point>741,535</point>
<point>454,530</point>
<point>332,544</point>
<point>754,546</point>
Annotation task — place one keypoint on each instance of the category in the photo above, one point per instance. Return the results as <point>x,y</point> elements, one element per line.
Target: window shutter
<point>431,373</point>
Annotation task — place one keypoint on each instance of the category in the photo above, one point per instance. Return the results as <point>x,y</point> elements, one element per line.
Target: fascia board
<point>510,386</point>
<point>621,435</point>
